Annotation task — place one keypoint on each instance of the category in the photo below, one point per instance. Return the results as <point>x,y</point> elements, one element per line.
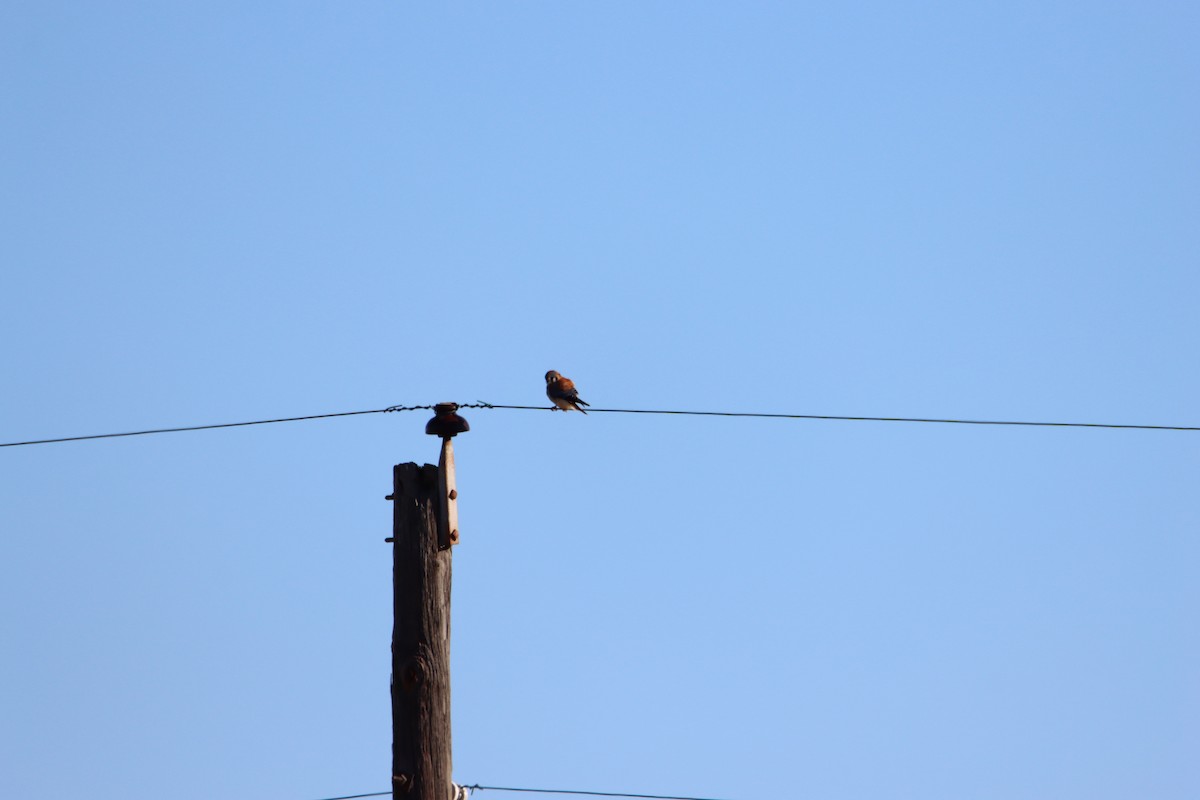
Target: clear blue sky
<point>215,212</point>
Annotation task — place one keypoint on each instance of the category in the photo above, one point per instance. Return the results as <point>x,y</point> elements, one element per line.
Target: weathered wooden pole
<point>421,756</point>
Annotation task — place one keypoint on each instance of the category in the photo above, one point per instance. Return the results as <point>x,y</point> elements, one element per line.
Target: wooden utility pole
<point>422,500</point>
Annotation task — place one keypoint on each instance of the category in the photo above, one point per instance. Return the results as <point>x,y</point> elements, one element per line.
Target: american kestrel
<point>562,392</point>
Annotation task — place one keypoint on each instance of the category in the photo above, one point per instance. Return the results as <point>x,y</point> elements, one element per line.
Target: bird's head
<point>552,376</point>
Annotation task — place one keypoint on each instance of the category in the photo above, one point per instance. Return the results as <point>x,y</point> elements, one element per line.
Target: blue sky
<point>225,211</point>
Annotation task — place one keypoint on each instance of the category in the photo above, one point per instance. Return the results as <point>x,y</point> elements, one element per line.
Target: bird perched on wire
<point>562,392</point>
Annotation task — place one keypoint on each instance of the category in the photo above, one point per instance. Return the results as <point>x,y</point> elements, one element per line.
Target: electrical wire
<point>219,425</point>
<point>863,419</point>
<point>189,428</point>
<point>477,787</point>
<point>752,414</point>
<point>591,794</point>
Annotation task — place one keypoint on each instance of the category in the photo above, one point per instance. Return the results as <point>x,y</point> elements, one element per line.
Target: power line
<point>751,414</point>
<point>591,794</point>
<point>219,425</point>
<point>864,419</point>
<point>189,428</point>
<point>477,787</point>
